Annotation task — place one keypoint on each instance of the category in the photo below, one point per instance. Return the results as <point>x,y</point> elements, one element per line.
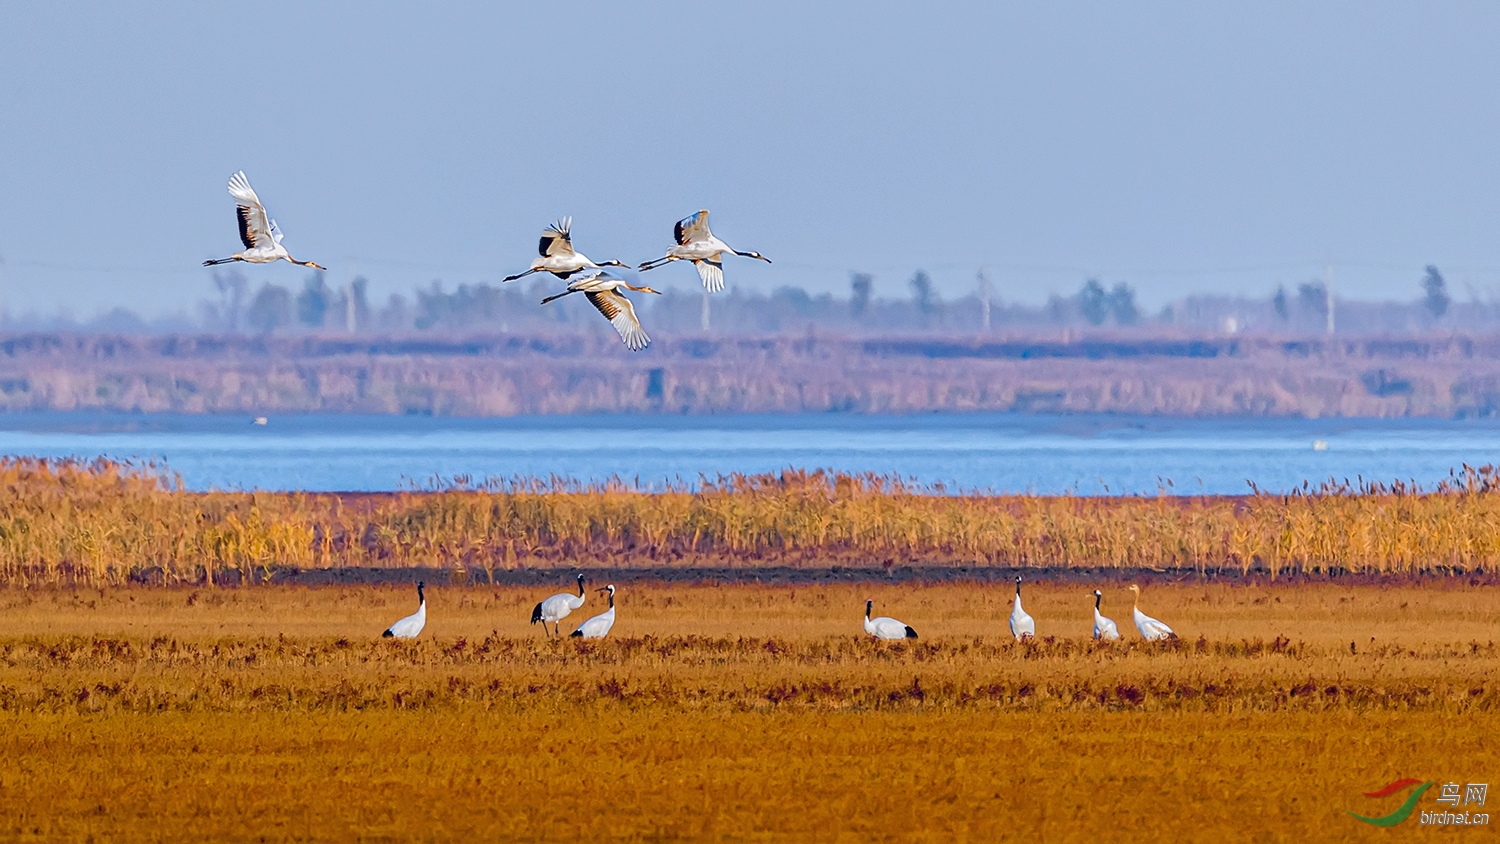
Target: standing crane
<point>603,291</point>
<point>1022,626</point>
<point>697,244</point>
<point>885,627</point>
<point>598,627</point>
<point>558,256</point>
<point>409,627</point>
<point>1104,628</point>
<point>557,607</point>
<point>259,233</point>
<point>1151,629</point>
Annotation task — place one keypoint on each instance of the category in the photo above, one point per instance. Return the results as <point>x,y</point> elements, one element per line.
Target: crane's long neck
<point>611,599</point>
<point>1097,599</point>
<point>580,587</point>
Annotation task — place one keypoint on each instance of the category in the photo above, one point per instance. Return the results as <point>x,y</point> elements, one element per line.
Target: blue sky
<point>1177,147</point>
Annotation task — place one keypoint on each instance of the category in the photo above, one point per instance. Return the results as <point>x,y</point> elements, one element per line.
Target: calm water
<point>1084,454</point>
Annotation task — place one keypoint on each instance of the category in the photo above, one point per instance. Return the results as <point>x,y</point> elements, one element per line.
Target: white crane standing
<point>885,627</point>
<point>1022,626</point>
<point>409,627</point>
<point>697,244</point>
<point>598,627</point>
<point>259,233</point>
<point>556,608</point>
<point>1151,629</point>
<point>1104,628</point>
<point>558,256</point>
<point>602,289</point>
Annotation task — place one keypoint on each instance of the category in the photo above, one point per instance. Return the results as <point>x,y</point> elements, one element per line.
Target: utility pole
<point>984,298</point>
<point>703,318</point>
<point>1328,294</point>
<point>349,319</point>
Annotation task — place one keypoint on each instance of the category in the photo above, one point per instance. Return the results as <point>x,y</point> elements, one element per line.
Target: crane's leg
<point>558,296</point>
<point>217,261</point>
<point>651,265</point>
<point>519,275</point>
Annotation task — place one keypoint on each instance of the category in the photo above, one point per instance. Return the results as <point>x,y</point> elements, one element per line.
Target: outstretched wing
<point>255,228</point>
<point>621,314</point>
<point>557,240</point>
<point>689,229</point>
<point>712,273</point>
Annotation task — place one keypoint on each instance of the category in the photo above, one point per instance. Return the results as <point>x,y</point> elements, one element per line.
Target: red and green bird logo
<point>1405,809</point>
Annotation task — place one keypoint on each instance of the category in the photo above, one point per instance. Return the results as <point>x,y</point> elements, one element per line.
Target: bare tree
<point>861,285</point>
<point>1435,292</point>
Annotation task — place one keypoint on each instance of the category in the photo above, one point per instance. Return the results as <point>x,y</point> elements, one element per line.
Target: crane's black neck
<point>580,586</point>
<point>1097,599</point>
<point>868,605</point>
<point>421,596</point>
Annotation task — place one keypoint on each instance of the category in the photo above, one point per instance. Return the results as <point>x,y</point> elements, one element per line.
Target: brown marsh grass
<point>734,711</point>
<point>103,523</point>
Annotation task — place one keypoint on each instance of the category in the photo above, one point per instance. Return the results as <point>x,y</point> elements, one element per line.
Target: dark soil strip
<point>790,576</point>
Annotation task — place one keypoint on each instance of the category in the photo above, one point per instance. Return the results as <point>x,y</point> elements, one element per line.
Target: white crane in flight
<point>259,233</point>
<point>697,244</point>
<point>602,289</point>
<point>558,256</point>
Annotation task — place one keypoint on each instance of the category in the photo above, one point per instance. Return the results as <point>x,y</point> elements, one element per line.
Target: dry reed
<point>278,713</point>
<point>105,523</point>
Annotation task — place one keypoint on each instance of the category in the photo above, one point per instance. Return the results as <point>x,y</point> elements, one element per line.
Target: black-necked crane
<point>558,256</point>
<point>1104,628</point>
<point>603,291</point>
<point>1151,629</point>
<point>697,244</point>
<point>409,627</point>
<point>259,233</point>
<point>598,626</point>
<point>557,607</point>
<point>885,627</point>
<point>1022,626</point>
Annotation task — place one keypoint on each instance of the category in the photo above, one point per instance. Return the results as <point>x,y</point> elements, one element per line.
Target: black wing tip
<point>536,614</point>
<point>387,634</point>
<point>910,633</point>
<point>576,634</point>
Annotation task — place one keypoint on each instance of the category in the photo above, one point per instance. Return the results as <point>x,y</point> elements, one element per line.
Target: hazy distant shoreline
<point>1436,376</point>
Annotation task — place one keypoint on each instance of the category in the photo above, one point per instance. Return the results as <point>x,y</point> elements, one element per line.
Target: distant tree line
<point>238,307</point>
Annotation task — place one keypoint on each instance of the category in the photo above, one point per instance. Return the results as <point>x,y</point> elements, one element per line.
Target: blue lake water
<point>1001,452</point>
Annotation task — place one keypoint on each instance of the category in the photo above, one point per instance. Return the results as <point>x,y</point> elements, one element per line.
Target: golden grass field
<point>737,711</point>
<point>104,523</point>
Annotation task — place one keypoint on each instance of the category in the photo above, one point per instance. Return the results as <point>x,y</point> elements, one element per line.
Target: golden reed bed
<point>742,712</point>
<point>103,523</point>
